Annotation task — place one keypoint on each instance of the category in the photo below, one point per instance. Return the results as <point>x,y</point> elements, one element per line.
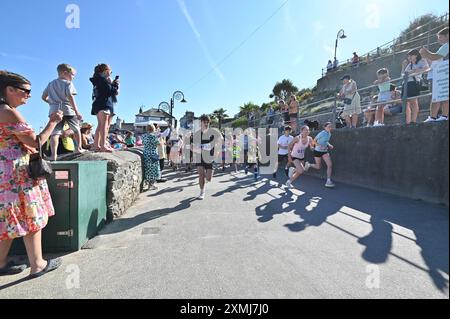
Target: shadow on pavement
<point>428,222</point>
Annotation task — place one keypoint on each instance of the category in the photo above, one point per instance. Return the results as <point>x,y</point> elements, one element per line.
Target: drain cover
<point>150,231</point>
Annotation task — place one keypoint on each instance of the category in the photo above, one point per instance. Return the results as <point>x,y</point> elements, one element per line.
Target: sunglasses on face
<point>27,91</point>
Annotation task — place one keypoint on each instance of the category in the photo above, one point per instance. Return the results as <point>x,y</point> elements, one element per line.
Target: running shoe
<point>202,195</point>
<point>307,166</point>
<point>329,184</point>
<point>378,125</point>
<point>442,118</point>
<point>289,184</point>
<point>430,119</point>
<point>286,171</point>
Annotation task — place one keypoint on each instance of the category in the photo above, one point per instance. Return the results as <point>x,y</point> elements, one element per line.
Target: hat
<point>348,77</point>
<point>86,125</point>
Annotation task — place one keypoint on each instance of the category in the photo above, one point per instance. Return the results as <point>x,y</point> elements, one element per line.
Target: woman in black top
<point>104,96</point>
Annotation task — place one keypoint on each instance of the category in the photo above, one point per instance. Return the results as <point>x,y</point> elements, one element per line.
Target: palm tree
<point>247,108</point>
<point>284,89</point>
<point>220,115</point>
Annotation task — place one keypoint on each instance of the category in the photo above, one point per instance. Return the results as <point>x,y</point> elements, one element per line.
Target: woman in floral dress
<point>151,157</point>
<point>25,204</point>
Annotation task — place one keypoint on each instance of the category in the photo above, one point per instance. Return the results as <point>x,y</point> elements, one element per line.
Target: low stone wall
<point>124,178</point>
<point>410,161</point>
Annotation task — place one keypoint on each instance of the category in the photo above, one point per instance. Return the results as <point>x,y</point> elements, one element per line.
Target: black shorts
<point>206,166</point>
<point>282,158</point>
<point>293,115</point>
<point>297,159</point>
<point>412,89</point>
<point>319,154</point>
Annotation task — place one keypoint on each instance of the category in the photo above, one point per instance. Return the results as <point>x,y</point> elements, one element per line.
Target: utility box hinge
<point>68,233</point>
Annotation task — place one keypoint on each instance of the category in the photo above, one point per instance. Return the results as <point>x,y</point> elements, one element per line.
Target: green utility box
<point>78,191</point>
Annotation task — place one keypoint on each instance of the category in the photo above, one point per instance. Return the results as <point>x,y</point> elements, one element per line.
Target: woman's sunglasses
<point>27,91</point>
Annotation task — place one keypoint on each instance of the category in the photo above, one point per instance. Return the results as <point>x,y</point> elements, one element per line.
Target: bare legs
<point>101,133</point>
<point>327,159</point>
<point>33,246</point>
<point>379,115</point>
<point>412,111</point>
<point>352,121</point>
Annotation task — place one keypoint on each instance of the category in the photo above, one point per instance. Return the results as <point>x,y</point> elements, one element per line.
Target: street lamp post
<point>340,35</point>
<point>177,96</point>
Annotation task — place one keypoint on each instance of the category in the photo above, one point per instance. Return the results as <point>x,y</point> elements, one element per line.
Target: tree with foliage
<point>416,30</point>
<point>283,89</point>
<point>247,108</point>
<point>220,115</point>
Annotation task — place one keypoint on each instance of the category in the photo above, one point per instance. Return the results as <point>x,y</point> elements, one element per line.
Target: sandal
<point>12,269</point>
<point>52,264</point>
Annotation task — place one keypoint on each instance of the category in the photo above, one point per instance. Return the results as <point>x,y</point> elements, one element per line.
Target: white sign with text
<point>440,82</point>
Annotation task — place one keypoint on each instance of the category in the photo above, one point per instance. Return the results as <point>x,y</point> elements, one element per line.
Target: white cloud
<point>373,11</point>
<point>203,46</point>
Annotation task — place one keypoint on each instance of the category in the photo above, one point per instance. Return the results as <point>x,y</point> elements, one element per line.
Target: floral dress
<point>151,166</point>
<point>25,204</point>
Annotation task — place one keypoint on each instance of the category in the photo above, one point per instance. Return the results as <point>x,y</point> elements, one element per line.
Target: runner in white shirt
<point>283,150</point>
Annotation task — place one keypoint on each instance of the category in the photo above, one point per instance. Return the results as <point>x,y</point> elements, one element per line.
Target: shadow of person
<point>379,242</point>
<point>278,206</point>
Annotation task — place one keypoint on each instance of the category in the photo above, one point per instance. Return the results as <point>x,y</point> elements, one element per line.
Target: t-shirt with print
<point>422,64</point>
<point>58,92</point>
<point>284,141</point>
<point>323,138</point>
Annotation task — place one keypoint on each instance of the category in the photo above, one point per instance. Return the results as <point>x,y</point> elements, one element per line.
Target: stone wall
<point>410,161</point>
<point>124,178</point>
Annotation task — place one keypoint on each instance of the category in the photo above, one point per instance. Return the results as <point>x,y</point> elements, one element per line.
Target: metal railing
<point>334,102</point>
<point>390,47</point>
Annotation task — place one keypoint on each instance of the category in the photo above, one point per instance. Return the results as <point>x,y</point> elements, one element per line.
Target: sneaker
<point>286,171</point>
<point>291,172</point>
<point>274,175</point>
<point>246,170</point>
<point>289,184</point>
<point>430,119</point>
<point>378,124</point>
<point>202,195</point>
<point>329,184</point>
<point>442,118</point>
<point>307,166</point>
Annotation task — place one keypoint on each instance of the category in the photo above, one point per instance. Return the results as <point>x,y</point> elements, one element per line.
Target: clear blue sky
<point>159,46</point>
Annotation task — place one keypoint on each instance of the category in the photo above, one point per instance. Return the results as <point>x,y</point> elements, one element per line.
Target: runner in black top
<point>205,164</point>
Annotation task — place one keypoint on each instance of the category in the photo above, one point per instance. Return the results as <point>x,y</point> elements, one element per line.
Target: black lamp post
<point>177,96</point>
<point>340,35</point>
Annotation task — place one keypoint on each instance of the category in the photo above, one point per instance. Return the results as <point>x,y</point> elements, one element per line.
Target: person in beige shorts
<point>352,101</point>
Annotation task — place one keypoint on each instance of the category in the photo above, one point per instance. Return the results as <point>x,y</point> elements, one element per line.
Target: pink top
<point>298,151</point>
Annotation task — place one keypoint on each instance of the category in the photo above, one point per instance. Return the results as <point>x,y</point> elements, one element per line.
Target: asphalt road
<point>252,239</point>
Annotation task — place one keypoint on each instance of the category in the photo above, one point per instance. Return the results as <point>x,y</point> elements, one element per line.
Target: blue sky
<point>160,46</point>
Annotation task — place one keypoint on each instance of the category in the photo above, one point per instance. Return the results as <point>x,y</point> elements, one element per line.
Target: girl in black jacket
<point>104,96</point>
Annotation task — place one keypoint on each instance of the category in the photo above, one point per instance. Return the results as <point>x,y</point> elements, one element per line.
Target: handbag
<point>349,101</point>
<point>37,166</point>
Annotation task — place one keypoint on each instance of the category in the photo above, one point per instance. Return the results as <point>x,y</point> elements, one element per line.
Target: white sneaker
<point>329,184</point>
<point>378,124</point>
<point>291,172</point>
<point>442,118</point>
<point>202,195</point>
<point>289,184</point>
<point>307,166</point>
<point>430,119</point>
